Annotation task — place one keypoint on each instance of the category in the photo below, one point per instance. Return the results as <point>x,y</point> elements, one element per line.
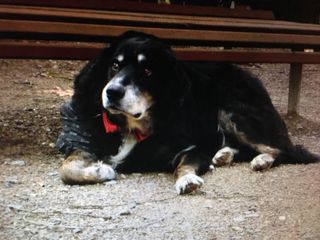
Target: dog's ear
<point>93,71</point>
<point>90,80</point>
<point>182,80</point>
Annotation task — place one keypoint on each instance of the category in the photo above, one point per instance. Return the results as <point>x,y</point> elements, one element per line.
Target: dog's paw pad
<point>100,172</point>
<point>262,162</point>
<point>188,183</point>
<point>224,156</point>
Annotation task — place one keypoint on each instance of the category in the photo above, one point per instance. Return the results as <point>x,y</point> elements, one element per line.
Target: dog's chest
<point>124,150</point>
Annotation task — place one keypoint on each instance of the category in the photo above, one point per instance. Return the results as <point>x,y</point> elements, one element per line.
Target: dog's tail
<point>296,155</point>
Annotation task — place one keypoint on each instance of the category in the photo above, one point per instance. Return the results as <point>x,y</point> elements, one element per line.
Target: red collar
<point>112,128</point>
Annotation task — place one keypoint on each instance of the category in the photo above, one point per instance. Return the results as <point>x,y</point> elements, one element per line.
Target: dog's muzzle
<point>114,93</point>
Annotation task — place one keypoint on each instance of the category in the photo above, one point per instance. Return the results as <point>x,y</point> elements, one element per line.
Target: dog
<point>135,107</point>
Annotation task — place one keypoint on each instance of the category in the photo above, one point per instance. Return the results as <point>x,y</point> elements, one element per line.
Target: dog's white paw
<point>224,156</point>
<point>262,162</point>
<point>100,172</point>
<point>188,183</point>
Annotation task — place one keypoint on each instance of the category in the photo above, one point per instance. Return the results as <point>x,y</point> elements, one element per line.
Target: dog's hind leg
<point>265,159</point>
<point>266,154</point>
<point>224,156</point>
<point>241,128</point>
<point>81,168</point>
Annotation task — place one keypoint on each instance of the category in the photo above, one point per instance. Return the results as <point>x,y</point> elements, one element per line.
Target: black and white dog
<point>136,108</point>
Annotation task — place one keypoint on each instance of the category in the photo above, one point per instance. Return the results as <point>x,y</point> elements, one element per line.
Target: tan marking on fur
<point>186,178</point>
<point>71,168</point>
<point>183,169</point>
<point>274,152</point>
<point>81,168</point>
<point>143,123</point>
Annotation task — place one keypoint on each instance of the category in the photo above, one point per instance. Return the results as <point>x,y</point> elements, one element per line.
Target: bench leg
<point>294,87</point>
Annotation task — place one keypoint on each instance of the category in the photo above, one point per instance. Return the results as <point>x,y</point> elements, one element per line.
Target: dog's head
<point>140,77</point>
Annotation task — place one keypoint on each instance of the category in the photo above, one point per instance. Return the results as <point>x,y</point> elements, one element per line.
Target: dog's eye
<point>115,66</point>
<point>147,72</point>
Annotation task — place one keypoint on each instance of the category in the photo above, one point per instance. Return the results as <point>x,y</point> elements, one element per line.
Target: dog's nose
<point>115,93</point>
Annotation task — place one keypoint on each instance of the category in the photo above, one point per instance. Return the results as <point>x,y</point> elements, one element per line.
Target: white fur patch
<point>120,57</point>
<point>105,101</point>
<point>141,57</point>
<point>262,162</point>
<point>224,156</point>
<point>127,145</point>
<point>188,183</point>
<point>134,101</point>
<point>99,171</point>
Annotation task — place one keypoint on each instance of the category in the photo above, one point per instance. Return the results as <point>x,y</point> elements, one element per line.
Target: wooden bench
<point>79,29</point>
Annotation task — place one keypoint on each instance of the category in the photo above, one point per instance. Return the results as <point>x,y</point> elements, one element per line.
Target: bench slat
<point>147,19</point>
<point>135,6</point>
<point>184,35</point>
<point>85,51</point>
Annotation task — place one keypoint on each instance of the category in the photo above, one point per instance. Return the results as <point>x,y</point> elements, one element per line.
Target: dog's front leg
<point>81,167</point>
<point>190,164</point>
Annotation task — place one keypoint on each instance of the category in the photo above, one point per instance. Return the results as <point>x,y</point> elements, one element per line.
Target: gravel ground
<point>234,203</point>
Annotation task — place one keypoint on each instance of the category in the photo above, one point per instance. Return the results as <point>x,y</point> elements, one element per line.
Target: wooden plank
<point>183,35</point>
<point>34,50</point>
<point>135,6</point>
<point>295,77</point>
<point>85,51</point>
<point>238,56</point>
<point>147,19</point>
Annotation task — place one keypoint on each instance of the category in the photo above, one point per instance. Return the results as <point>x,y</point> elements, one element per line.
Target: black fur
<point>188,99</point>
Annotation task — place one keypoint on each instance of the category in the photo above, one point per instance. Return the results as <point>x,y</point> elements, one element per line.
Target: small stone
<point>132,205</point>
<point>43,75</point>
<point>125,213</point>
<point>54,173</point>
<point>14,207</point>
<point>56,221</point>
<point>28,109</point>
<point>299,127</point>
<point>252,215</point>
<point>108,218</point>
<point>52,145</point>
<point>18,162</point>
<point>65,189</point>
<point>282,218</point>
<point>77,230</point>
<point>22,197</point>
<point>238,229</point>
<point>239,219</point>
<point>112,182</point>
<point>9,182</point>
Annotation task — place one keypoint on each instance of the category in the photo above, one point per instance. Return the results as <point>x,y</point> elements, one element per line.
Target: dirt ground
<point>234,203</point>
